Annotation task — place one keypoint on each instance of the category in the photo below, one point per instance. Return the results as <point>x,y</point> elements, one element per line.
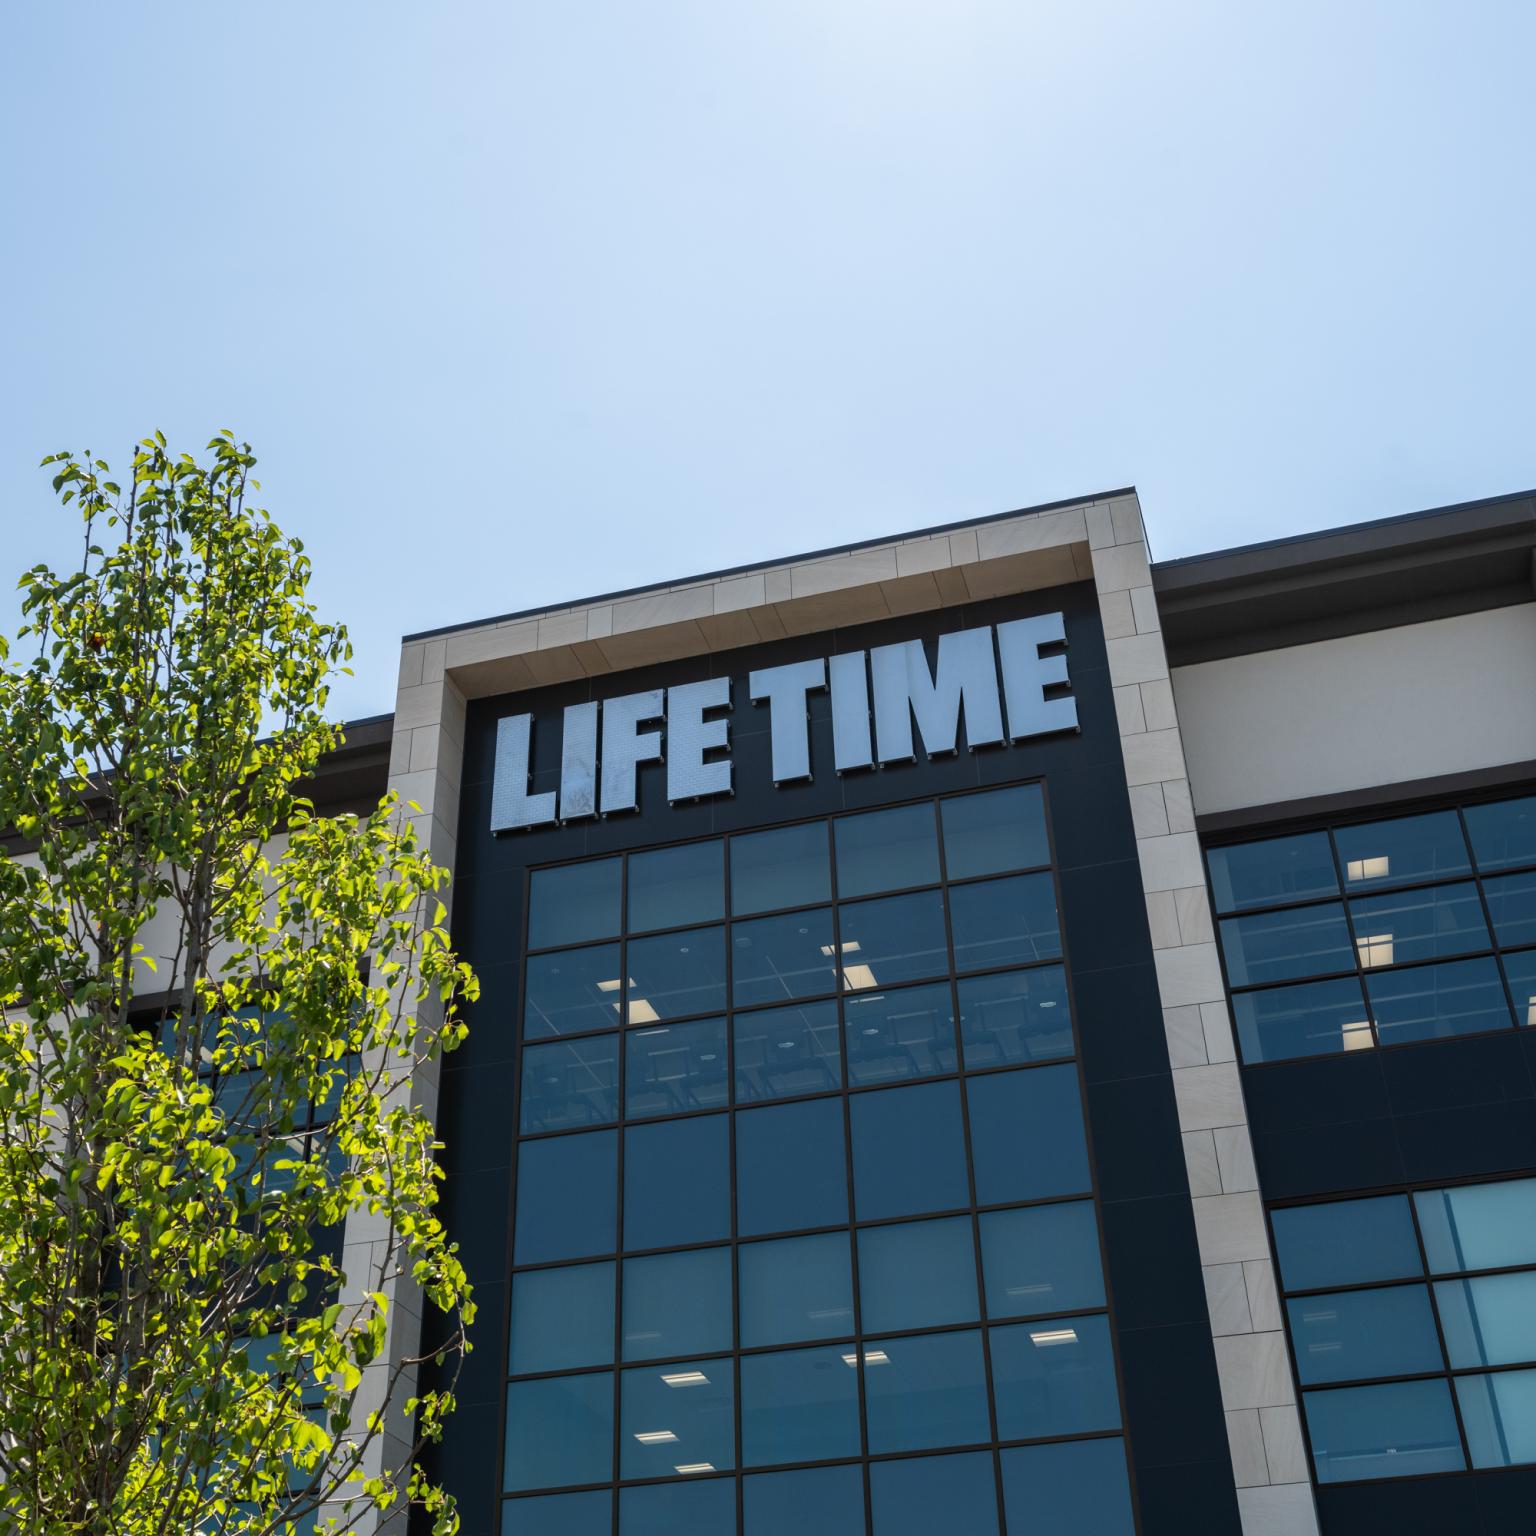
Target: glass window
<point>677,1304</point>
<point>567,1192</point>
<point>782,1052</point>
<point>1316,1018</point>
<point>559,1514</point>
<point>785,867</point>
<point>820,1501</point>
<point>1512,906</point>
<point>1282,946</point>
<point>1044,1258</point>
<point>677,1186</point>
<point>926,1391</point>
<point>572,991</point>
<point>795,1289</point>
<point>1076,1488</point>
<point>902,1034</point>
<point>1352,1335</point>
<point>1504,834</point>
<point>703,1508</point>
<point>908,1151</point>
<point>1430,1002</point>
<point>1521,971</point>
<point>1408,848</point>
<point>886,850</point>
<point>1500,1417</point>
<point>1346,1242</point>
<point>774,959</point>
<point>674,1067</point>
<point>1490,1320</point>
<point>573,903</point>
<point>569,1083</point>
<point>1054,1377</point>
<point>798,1405</point>
<point>1402,1429</point>
<point>1016,1016</point>
<point>989,833</point>
<point>919,1274</point>
<point>562,1319</point>
<point>1418,925</point>
<point>953,1494</point>
<point>1004,922</point>
<point>559,1432</point>
<point>676,974</point>
<point>790,1167</point>
<point>1027,1138</point>
<point>895,939</point>
<point>672,886</point>
<point>1479,1226</point>
<point>1280,869</point>
<point>677,1419</point>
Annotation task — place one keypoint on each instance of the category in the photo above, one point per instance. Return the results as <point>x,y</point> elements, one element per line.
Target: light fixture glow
<point>685,1378</point>
<point>641,1012</point>
<point>1375,949</point>
<point>695,1466</point>
<point>656,1437</point>
<point>1049,1336</point>
<point>1369,869</point>
<point>1357,1036</point>
<point>858,976</point>
<point>849,947</point>
<point>871,1357</point>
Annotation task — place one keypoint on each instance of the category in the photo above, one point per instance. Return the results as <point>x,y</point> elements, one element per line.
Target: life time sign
<point>1018,667</point>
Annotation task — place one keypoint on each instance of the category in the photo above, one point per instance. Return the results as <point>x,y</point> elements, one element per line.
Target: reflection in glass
<point>550,1224</point>
<point>1043,1258</point>
<point>1479,1226</point>
<point>1054,1377</point>
<point>1431,1002</point>
<point>677,1304</point>
<point>901,1034</point>
<point>1282,946</point>
<point>1407,848</point>
<point>572,991</point>
<point>1346,1242</point>
<point>703,1508</point>
<point>1402,1429</point>
<point>1500,1416</point>
<point>886,850</point>
<point>1521,971</point>
<point>917,1497</point>
<point>677,1419</point>
<point>562,1319</point>
<point>1352,1335</point>
<point>919,1274</point>
<point>1015,1016</point>
<point>1027,1139</point>
<point>790,1167</point>
<point>894,939</point>
<point>908,1151</point>
<point>560,1514</point>
<point>774,959</point>
<point>672,886</point>
<point>674,1067</point>
<point>795,1289</point>
<point>1075,1488</point>
<point>1490,1320</point>
<point>1279,869</point>
<point>573,903</point>
<point>798,1405</point>
<point>569,1083</point>
<point>1512,906</point>
<point>1317,1018</point>
<point>785,1051</point>
<point>1004,922</point>
<point>1418,925</point>
<point>675,974</point>
<point>989,833</point>
<point>818,1501</point>
<point>925,1391</point>
<point>784,867</point>
<point>559,1432</point>
<point>677,1183</point>
<point>1504,834</point>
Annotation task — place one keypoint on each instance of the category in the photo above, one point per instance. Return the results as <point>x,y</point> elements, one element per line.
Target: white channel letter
<point>850,712</point>
<point>511,804</point>
<point>690,736</point>
<point>789,724</point>
<point>967,672</point>
<point>578,762</point>
<point>1027,674</point>
<point>625,748</point>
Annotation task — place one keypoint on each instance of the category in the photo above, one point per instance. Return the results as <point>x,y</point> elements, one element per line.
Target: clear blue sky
<point>520,302</point>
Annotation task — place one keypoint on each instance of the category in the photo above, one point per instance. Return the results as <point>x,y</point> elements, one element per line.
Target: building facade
<point>981,1032</point>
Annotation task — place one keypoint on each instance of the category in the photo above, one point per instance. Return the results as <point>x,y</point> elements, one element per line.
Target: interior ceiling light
<point>685,1378</point>
<point>656,1437</point>
<point>1047,1337</point>
<point>857,977</point>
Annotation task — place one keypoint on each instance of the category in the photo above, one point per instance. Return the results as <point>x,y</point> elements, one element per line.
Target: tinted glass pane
<point>1418,925</point>
<point>1346,1242</point>
<point>1521,971</point>
<point>1503,835</point>
<point>987,834</point>
<point>919,1274</point>
<point>1317,1018</point>
<point>1027,1135</point>
<point>774,959</point>
<point>677,1304</point>
<point>901,1034</point>
<point>899,938</point>
<point>821,1501</point>
<point>953,1494</point>
<point>561,1319</point>
<point>676,974</point>
<point>908,1151</point>
<point>574,903</point>
<point>1016,1016</point>
<point>1512,906</point>
<point>787,867</point>
<point>1353,1335</point>
<point>1479,1226</point>
<point>1430,1002</point>
<point>677,1418</point>
<point>672,886</point>
<point>567,1192</point>
<point>1078,1488</point>
<point>1490,1320</point>
<point>1278,870</point>
<point>703,1508</point>
<point>798,1405</point>
<point>785,1051</point>
<point>790,1167</point>
<point>925,1391</point>
<point>570,1083</point>
<point>559,1432</point>
<point>1409,848</point>
<point>1054,1377</point>
<point>572,991</point>
<point>795,1288</point>
<point>886,850</point>
<point>1283,946</point>
<point>1404,1429</point>
<point>1041,1259</point>
<point>559,1514</point>
<point>677,1183</point>
<point>1004,922</point>
<point>670,1067</point>
<point>1500,1416</point>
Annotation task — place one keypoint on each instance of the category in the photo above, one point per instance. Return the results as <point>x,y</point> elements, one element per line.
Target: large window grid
<point>982,1328</point>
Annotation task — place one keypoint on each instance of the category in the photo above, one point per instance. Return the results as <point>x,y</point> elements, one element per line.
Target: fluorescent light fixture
<point>1357,1036</point>
<point>829,1312</point>
<point>1375,949</point>
<point>656,1437</point>
<point>1369,869</point>
<point>608,986</point>
<point>1049,1336</point>
<point>849,947</point>
<point>685,1378</point>
<point>1530,1011</point>
<point>871,1357</point>
<point>641,1012</point>
<point>1029,1290</point>
<point>858,976</point>
<point>695,1466</point>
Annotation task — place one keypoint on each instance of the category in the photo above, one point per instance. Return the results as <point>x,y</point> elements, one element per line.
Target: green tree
<point>212,1001</point>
